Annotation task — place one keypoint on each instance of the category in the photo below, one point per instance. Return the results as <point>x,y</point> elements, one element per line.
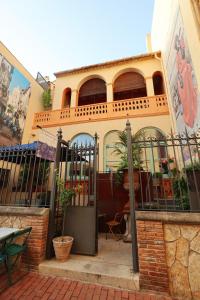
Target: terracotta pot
<point>136,175</point>
<point>62,247</point>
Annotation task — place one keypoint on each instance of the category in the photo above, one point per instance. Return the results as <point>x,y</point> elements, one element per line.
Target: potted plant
<point>62,244</point>
<point>122,151</point>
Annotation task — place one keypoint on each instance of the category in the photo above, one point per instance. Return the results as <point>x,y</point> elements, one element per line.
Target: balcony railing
<point>137,107</point>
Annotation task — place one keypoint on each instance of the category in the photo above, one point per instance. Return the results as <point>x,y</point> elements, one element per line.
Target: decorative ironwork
<point>171,166</point>
<point>24,176</point>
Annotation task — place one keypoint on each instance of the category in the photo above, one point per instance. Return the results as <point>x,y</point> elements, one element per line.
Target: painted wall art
<point>182,80</point>
<point>15,92</point>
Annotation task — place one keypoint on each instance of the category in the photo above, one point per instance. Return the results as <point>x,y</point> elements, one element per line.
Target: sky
<point>54,35</point>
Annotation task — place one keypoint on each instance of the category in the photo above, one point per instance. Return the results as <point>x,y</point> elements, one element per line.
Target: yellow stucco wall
<point>145,66</point>
<point>103,127</point>
<point>35,103</point>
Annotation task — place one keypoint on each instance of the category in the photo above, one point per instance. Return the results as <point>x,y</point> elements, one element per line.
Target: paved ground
<point>34,286</point>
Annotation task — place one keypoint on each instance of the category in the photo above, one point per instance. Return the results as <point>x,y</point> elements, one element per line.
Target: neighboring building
<point>176,32</point>
<point>20,97</point>
<point>100,98</point>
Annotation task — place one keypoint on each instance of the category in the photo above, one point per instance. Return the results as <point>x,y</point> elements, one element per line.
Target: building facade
<point>100,98</point>
<point>176,32</point>
<point>20,98</point>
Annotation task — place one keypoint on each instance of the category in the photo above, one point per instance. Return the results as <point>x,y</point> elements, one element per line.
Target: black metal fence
<point>169,172</point>
<point>24,176</point>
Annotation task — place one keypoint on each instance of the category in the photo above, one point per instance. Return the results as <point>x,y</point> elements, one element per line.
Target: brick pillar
<point>152,256</point>
<point>38,239</point>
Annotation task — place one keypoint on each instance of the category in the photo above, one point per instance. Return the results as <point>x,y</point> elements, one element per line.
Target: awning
<point>35,151</point>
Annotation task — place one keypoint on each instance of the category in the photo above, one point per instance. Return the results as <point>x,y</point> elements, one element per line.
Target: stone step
<point>87,269</point>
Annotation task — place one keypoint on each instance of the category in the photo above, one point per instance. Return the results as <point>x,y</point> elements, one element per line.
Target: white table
<point>6,231</point>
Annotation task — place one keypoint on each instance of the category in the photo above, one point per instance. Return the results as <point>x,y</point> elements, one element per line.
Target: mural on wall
<point>183,84</point>
<point>14,96</point>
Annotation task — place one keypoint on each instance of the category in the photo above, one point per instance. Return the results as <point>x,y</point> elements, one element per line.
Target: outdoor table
<point>6,231</point>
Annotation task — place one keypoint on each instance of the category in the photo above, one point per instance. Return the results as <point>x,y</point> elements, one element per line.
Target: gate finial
<point>128,124</point>
<point>59,134</point>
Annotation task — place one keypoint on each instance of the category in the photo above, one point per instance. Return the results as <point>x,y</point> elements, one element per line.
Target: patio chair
<point>14,248</point>
<point>114,225</point>
<point>3,256</point>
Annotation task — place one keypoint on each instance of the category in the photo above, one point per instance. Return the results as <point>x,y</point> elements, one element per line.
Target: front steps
<point>86,269</point>
<point>111,267</point>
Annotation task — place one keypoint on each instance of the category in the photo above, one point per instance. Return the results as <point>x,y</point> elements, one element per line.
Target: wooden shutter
<point>129,81</point>
<point>92,87</point>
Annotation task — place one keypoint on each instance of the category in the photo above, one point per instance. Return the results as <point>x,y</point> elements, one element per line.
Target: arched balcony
<point>66,98</point>
<point>133,96</point>
<point>129,85</point>
<point>93,91</point>
<point>158,83</point>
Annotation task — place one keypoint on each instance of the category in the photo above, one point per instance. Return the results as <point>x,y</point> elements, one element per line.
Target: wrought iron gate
<point>76,167</point>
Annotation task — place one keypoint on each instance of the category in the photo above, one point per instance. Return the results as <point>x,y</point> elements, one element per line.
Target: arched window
<point>158,84</point>
<point>83,166</point>
<point>152,155</point>
<point>66,99</point>
<point>129,85</point>
<point>82,139</point>
<point>92,91</point>
<point>111,159</point>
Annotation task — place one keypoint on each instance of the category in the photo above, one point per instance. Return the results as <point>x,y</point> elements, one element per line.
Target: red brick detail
<point>35,286</point>
<point>152,256</point>
<point>37,239</point>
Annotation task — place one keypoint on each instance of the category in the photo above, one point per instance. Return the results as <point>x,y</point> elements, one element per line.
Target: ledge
<point>169,217</point>
<point>23,211</point>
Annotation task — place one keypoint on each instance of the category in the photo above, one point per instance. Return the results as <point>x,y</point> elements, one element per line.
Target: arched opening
<point>111,159</point>
<point>82,139</point>
<point>66,99</point>
<point>158,83</point>
<point>83,166</point>
<point>93,91</point>
<point>129,85</point>
<point>152,155</point>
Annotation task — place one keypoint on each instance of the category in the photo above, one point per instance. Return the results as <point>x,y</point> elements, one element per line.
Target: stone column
<point>109,87</point>
<point>149,86</point>
<point>74,98</point>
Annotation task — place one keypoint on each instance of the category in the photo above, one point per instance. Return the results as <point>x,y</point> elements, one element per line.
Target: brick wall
<point>38,219</point>
<point>152,256</point>
<point>169,252</point>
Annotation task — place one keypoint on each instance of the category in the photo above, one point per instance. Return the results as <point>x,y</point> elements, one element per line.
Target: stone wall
<point>169,253</point>
<point>38,219</point>
<point>183,259</point>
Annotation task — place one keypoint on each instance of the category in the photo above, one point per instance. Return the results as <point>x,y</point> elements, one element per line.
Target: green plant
<point>157,175</point>
<point>121,149</point>
<point>180,190</point>
<point>65,194</point>
<point>193,167</point>
<point>46,98</point>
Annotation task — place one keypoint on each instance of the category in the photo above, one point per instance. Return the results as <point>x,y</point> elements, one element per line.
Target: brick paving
<point>35,286</point>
